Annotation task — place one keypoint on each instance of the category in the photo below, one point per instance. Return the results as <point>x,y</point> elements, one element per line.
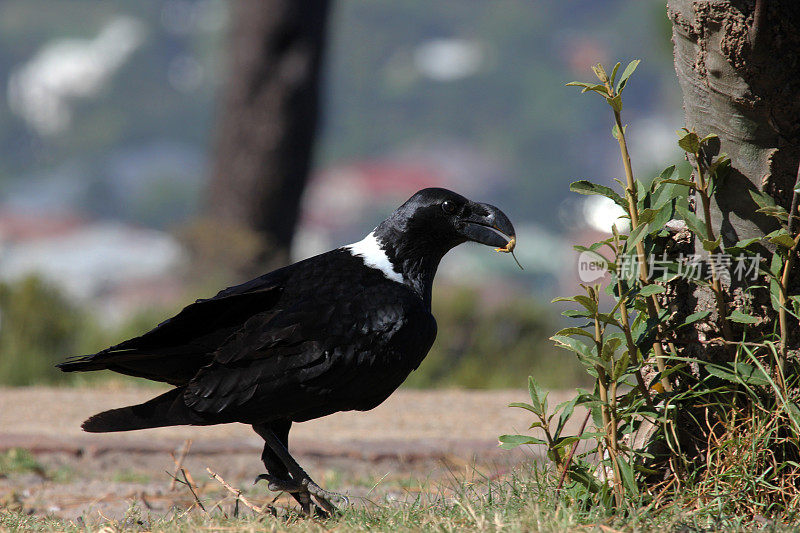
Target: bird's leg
<point>299,477</point>
<point>278,477</point>
<point>284,474</point>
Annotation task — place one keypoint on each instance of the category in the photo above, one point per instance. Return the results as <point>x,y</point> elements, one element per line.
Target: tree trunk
<point>266,128</point>
<point>738,64</point>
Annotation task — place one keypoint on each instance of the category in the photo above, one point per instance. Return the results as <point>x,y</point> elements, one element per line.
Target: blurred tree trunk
<point>265,130</point>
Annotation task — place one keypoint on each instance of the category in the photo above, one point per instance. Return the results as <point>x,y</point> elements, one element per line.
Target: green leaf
<point>538,397</point>
<point>508,442</point>
<point>584,478</point>
<point>593,247</point>
<point>668,172</point>
<point>689,141</point>
<point>573,313</point>
<point>615,131</point>
<point>781,237</point>
<point>562,299</point>
<point>738,373</point>
<point>620,366</point>
<point>608,318</point>
<point>761,199</point>
<point>600,72</point>
<point>587,187</point>
<point>588,304</point>
<point>574,345</point>
<point>599,89</point>
<point>575,331</point>
<point>694,317</point>
<point>649,290</point>
<point>697,226</point>
<point>595,87</point>
<point>741,245</point>
<point>664,194</point>
<point>636,236</point>
<point>794,412</point>
<point>610,347</point>
<point>710,246</point>
<point>680,181</point>
<point>615,103</point>
<point>775,211</point>
<point>645,333</point>
<point>775,267</point>
<point>614,73</point>
<point>523,405</point>
<point>647,215</point>
<point>623,79</point>
<point>742,318</point>
<point>566,409</point>
<point>720,169</point>
<point>565,441</point>
<point>628,477</point>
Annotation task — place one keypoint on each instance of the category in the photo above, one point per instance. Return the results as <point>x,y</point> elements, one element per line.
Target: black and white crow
<point>339,331</point>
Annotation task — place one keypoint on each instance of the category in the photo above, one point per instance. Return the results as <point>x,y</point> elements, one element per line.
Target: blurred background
<point>152,152</point>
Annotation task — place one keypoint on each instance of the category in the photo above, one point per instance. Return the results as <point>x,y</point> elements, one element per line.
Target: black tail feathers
<point>81,363</point>
<point>165,410</point>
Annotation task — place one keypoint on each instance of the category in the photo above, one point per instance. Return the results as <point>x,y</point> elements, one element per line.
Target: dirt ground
<point>416,442</point>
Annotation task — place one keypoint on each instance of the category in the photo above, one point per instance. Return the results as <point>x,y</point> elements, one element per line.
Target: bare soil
<point>416,442</point>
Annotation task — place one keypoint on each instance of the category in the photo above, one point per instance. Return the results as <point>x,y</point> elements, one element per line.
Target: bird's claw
<point>304,489</point>
<point>324,495</point>
<point>276,484</point>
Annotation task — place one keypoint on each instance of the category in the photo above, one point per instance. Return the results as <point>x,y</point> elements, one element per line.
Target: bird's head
<point>420,232</point>
<point>438,220</point>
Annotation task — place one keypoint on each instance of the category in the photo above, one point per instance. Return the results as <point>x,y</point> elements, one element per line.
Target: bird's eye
<point>448,207</point>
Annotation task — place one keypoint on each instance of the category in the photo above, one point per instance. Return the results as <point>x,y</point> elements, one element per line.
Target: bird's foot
<point>303,490</point>
<point>277,484</point>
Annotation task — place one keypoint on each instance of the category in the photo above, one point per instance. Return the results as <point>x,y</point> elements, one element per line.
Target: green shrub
<point>696,407</point>
<point>38,327</point>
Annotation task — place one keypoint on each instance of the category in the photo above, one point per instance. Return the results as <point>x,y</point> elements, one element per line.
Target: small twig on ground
<point>179,462</point>
<point>191,489</point>
<point>238,494</point>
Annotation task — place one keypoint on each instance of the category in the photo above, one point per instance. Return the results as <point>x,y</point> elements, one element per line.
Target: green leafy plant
<point>658,411</point>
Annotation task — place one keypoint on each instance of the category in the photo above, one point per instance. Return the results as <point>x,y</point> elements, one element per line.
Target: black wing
<point>177,348</point>
<point>345,344</point>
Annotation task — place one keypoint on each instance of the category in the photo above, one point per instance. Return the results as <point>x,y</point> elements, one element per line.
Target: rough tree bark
<point>266,127</point>
<point>738,64</point>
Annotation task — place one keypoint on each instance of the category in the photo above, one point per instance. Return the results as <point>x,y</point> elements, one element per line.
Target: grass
<point>17,460</point>
<point>525,500</point>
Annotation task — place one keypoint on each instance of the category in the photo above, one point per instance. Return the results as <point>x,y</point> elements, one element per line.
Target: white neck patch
<point>369,249</point>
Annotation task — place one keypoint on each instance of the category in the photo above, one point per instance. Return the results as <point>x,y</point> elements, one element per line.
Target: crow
<point>337,332</point>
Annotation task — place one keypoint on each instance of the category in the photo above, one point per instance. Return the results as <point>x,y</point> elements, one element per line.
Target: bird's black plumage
<point>339,331</point>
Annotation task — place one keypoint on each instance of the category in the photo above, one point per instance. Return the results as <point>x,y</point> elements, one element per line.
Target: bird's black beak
<point>488,225</point>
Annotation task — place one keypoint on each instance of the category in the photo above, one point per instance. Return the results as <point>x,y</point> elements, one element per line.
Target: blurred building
<point>115,268</point>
